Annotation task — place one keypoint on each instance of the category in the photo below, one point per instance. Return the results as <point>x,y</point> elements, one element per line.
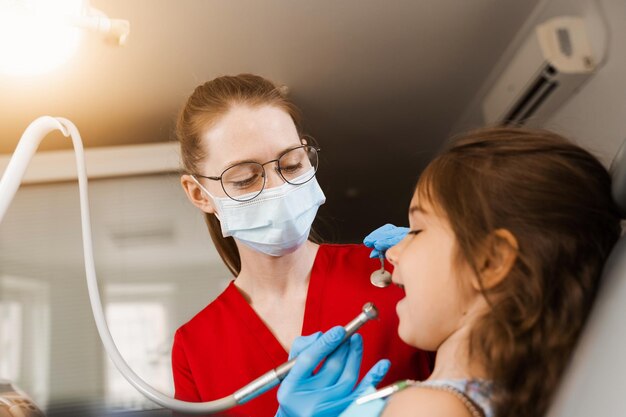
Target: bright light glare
<point>35,36</point>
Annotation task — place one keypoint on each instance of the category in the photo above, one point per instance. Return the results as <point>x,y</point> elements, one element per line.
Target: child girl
<point>509,229</point>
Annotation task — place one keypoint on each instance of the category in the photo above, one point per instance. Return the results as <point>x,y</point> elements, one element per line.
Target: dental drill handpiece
<point>274,377</point>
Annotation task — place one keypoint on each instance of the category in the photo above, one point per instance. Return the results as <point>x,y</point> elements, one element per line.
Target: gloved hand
<point>383,238</point>
<point>329,391</point>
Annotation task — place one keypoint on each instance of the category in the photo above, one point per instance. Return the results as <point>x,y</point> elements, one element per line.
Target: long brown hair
<point>204,107</point>
<point>555,198</point>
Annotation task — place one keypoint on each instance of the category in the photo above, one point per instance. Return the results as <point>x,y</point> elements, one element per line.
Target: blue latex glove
<point>383,238</point>
<point>330,390</point>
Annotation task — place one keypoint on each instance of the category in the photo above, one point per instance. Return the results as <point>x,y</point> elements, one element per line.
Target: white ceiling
<point>368,74</point>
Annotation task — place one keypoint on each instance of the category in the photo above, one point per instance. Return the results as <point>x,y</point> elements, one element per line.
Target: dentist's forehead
<point>249,133</point>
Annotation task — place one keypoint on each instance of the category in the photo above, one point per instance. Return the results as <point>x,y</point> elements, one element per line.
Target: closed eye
<point>247,182</point>
<point>291,168</point>
<point>415,232</point>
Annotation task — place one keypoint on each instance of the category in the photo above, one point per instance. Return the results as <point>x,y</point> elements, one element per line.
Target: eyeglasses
<point>246,180</point>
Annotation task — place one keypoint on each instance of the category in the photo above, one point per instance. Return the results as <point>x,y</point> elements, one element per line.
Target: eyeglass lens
<point>245,181</point>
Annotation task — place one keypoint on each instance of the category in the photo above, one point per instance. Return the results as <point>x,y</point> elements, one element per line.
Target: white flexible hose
<point>9,184</point>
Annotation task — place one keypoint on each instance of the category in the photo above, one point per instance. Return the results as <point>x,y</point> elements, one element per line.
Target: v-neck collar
<point>312,308</point>
<point>317,289</point>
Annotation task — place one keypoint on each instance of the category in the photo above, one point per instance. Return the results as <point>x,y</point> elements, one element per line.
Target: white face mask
<point>276,222</point>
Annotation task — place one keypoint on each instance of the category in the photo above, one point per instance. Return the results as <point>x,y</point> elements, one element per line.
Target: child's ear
<point>497,259</point>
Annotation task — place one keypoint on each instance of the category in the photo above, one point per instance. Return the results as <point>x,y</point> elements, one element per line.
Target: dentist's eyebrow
<point>416,209</point>
<point>230,164</point>
<point>240,161</point>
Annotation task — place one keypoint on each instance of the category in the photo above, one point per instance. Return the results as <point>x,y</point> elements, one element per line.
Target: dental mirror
<point>381,277</point>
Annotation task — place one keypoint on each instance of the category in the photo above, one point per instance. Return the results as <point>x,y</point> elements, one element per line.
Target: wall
<point>594,116</point>
<point>40,242</point>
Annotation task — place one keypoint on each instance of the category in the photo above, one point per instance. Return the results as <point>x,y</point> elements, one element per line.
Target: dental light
<point>37,36</point>
<point>9,184</point>
<point>114,30</point>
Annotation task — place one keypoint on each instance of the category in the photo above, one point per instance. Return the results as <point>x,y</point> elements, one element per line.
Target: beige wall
<point>594,117</point>
<point>40,240</point>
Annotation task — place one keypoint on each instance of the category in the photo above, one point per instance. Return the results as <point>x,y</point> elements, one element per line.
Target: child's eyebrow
<point>416,208</point>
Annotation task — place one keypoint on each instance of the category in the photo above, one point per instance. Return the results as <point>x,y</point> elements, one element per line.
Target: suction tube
<point>10,182</point>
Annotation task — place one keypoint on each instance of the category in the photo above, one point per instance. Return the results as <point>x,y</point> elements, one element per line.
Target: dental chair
<point>594,383</point>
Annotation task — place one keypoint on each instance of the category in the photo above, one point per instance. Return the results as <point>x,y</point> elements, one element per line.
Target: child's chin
<point>405,334</point>
<point>408,335</point>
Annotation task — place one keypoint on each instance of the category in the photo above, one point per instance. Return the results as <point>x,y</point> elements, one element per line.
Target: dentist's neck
<point>279,275</point>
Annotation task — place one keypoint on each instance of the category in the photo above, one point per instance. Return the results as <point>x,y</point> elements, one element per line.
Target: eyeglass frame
<point>277,168</point>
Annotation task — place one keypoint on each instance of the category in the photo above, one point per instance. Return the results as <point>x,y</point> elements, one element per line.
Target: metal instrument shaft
<point>272,378</point>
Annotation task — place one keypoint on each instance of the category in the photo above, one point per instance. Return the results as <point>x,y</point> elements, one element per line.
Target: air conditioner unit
<point>550,65</point>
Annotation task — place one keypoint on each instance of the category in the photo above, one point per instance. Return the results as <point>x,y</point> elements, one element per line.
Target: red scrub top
<point>227,345</point>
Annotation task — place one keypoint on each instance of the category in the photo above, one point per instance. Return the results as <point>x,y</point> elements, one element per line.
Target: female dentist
<point>249,168</point>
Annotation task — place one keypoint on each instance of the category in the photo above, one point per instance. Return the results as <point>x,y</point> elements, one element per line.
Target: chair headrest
<point>618,176</point>
<point>592,384</point>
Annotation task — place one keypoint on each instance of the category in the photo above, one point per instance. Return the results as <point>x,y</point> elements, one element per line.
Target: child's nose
<point>392,254</point>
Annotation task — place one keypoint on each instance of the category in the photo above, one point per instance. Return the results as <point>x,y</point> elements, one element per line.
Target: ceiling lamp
<point>38,36</point>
